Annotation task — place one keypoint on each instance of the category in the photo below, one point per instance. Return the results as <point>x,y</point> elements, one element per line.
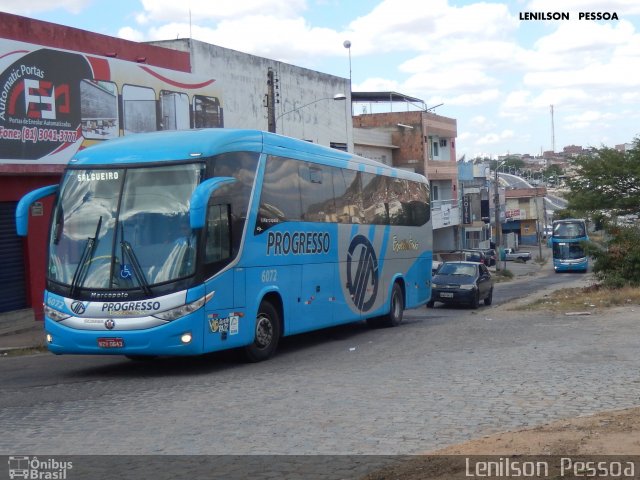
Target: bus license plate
<point>446,295</point>
<point>110,342</point>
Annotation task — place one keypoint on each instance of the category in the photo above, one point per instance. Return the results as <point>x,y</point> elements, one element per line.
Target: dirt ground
<point>610,433</point>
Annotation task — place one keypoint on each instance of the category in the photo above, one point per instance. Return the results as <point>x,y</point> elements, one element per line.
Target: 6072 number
<point>269,276</point>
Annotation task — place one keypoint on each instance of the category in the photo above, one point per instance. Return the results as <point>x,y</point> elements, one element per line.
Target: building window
<point>443,142</point>
<point>207,112</point>
<point>473,239</point>
<point>434,148</point>
<point>434,192</point>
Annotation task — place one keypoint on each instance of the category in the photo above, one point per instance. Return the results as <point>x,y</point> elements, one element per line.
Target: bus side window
<point>316,193</point>
<point>374,199</point>
<point>348,195</point>
<point>218,234</point>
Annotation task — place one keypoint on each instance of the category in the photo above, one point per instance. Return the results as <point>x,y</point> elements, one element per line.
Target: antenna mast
<point>553,133</point>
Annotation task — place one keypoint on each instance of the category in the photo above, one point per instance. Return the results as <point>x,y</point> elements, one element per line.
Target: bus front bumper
<point>183,336</point>
<point>570,265</point>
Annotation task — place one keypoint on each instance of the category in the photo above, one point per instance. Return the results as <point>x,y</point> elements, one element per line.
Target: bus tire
<point>475,301</point>
<point>396,307</point>
<point>267,334</point>
<point>489,299</point>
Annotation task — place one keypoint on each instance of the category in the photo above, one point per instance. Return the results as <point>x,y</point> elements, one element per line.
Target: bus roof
<point>180,145</point>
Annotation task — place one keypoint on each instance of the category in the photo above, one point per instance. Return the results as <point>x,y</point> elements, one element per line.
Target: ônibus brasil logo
<point>35,468</point>
<point>362,273</point>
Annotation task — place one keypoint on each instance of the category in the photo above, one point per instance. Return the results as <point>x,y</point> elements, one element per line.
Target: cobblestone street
<point>444,376</point>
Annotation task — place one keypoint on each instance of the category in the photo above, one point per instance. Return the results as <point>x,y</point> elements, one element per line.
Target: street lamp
<point>337,96</point>
<point>347,44</point>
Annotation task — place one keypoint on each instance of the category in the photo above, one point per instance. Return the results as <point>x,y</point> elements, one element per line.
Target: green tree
<point>607,185</point>
<point>553,170</point>
<point>608,180</point>
<point>510,162</point>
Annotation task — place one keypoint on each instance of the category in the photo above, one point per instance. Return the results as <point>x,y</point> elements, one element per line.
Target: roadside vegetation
<point>503,275</point>
<point>606,190</point>
<point>592,299</point>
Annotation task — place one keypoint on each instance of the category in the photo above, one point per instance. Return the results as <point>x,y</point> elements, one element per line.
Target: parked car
<point>510,254</point>
<point>435,265</point>
<point>460,282</point>
<point>490,255</point>
<point>467,255</point>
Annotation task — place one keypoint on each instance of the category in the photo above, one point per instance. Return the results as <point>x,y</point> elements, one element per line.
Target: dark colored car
<point>470,255</point>
<point>462,283</point>
<point>490,256</point>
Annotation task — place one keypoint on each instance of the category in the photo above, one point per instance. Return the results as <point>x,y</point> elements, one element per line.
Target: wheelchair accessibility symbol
<point>125,271</point>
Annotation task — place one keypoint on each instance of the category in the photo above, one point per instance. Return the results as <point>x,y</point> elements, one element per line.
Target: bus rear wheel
<point>396,307</point>
<point>267,334</point>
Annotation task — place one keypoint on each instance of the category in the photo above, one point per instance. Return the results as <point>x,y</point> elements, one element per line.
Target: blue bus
<point>187,242</point>
<point>566,243</point>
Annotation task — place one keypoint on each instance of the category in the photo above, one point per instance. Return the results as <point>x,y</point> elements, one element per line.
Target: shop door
<point>12,276</point>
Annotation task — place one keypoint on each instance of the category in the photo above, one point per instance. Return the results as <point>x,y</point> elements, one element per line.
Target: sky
<point>483,63</point>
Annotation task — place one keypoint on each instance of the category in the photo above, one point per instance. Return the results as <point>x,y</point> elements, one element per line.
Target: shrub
<point>618,264</point>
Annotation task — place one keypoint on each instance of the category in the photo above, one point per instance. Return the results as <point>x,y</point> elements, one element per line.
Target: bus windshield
<point>123,228</point>
<point>568,251</point>
<point>569,229</point>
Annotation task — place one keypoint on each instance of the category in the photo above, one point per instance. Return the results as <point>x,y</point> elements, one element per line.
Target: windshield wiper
<point>59,225</point>
<point>127,250</point>
<point>87,254</point>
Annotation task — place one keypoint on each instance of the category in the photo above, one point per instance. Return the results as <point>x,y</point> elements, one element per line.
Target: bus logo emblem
<point>78,307</point>
<point>362,273</point>
<point>109,323</point>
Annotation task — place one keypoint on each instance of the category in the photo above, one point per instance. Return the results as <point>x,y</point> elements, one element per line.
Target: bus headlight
<point>183,310</point>
<point>54,314</point>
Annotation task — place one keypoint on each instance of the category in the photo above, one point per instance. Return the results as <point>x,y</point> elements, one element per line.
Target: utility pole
<point>538,221</point>
<point>496,207</point>
<point>270,101</point>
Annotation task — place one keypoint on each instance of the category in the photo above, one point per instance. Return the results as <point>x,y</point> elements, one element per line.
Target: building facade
<point>475,195</point>
<point>524,214</point>
<point>63,89</point>
<point>422,142</point>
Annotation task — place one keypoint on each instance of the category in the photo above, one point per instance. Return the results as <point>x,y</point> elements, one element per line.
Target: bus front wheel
<point>267,334</point>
